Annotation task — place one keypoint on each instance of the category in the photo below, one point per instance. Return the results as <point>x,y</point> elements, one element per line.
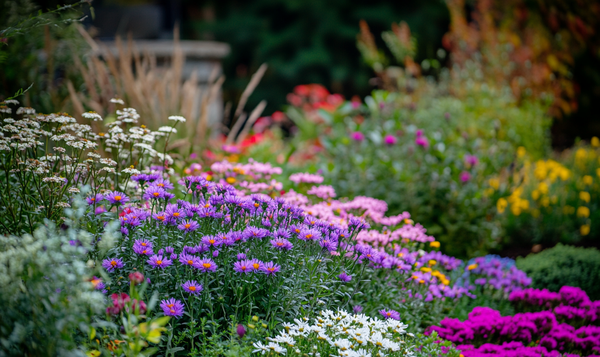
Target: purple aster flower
<point>253,232</point>
<point>227,239</point>
<point>309,234</point>
<point>256,264</point>
<point>390,314</point>
<point>188,226</point>
<point>206,265</point>
<point>99,210</point>
<point>215,253</point>
<point>94,199</point>
<point>138,249</point>
<point>192,287</point>
<point>144,243</point>
<point>112,264</point>
<point>345,277</point>
<point>243,266</point>
<point>169,250</point>
<point>154,192</point>
<point>282,244</point>
<point>174,213</point>
<point>117,198</point>
<point>270,268</point>
<point>164,184</point>
<point>124,231</point>
<point>241,256</point>
<point>158,261</point>
<point>186,259</point>
<point>211,241</point>
<point>357,309</point>
<point>172,307</point>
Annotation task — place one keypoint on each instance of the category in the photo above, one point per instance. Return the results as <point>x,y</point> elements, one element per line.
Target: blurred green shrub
<point>37,49</point>
<point>564,265</point>
<point>46,289</point>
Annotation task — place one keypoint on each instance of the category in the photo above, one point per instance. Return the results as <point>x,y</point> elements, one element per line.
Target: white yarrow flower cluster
<point>341,334</point>
<point>92,115</point>
<point>177,118</point>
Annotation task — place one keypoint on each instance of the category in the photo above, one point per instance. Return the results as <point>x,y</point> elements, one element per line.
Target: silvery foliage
<point>46,297</point>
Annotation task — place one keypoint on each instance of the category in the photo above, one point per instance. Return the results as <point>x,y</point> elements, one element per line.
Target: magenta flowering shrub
<point>530,333</point>
<point>570,304</point>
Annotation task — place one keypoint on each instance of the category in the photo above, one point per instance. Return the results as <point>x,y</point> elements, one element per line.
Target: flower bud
<point>136,278</point>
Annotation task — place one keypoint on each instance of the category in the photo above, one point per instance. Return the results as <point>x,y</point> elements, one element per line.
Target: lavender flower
<point>158,261</point>
<point>243,266</point>
<point>390,314</point>
<point>117,198</point>
<point>192,287</point>
<point>188,226</point>
<point>94,199</point>
<point>345,277</point>
<point>172,307</point>
<point>282,244</point>
<point>112,264</point>
<point>270,268</point>
<point>206,265</point>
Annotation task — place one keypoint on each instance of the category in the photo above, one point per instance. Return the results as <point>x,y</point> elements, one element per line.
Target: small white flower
<point>177,118</point>
<point>131,171</point>
<point>11,101</point>
<point>117,101</point>
<point>92,115</point>
<point>167,129</point>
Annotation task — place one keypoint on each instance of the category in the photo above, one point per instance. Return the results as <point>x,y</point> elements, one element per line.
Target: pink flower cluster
<point>299,177</point>
<point>570,304</point>
<point>538,330</point>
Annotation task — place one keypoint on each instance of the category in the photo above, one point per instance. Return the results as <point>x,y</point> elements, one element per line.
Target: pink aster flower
<point>422,141</point>
<point>270,268</point>
<point>206,265</point>
<point>390,314</point>
<point>188,226</point>
<point>390,139</point>
<point>465,176</point>
<point>471,160</point>
<point>158,261</point>
<point>357,136</point>
<point>117,198</point>
<point>172,307</point>
<point>112,264</point>
<point>192,287</point>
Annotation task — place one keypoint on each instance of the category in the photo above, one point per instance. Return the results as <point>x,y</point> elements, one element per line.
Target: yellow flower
<point>588,180</point>
<point>583,211</point>
<point>501,205</point>
<point>584,196</point>
<point>535,194</point>
<point>521,151</point>
<point>426,270</point>
<point>434,244</point>
<point>472,266</point>
<point>494,183</point>
<point>584,230</point>
<point>208,178</point>
<point>598,172</point>
<point>432,262</point>
<point>230,180</point>
<point>543,187</point>
<point>595,142</point>
<point>545,202</point>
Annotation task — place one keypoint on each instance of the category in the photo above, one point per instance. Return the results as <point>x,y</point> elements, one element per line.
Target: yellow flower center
<point>159,262</point>
<point>176,214</point>
<point>190,262</point>
<point>113,263</point>
<point>256,265</point>
<point>156,194</point>
<point>188,225</point>
<point>206,265</point>
<point>192,288</point>
<point>118,198</point>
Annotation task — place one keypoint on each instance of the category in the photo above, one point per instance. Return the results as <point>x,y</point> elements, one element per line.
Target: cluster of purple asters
<point>492,270</point>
